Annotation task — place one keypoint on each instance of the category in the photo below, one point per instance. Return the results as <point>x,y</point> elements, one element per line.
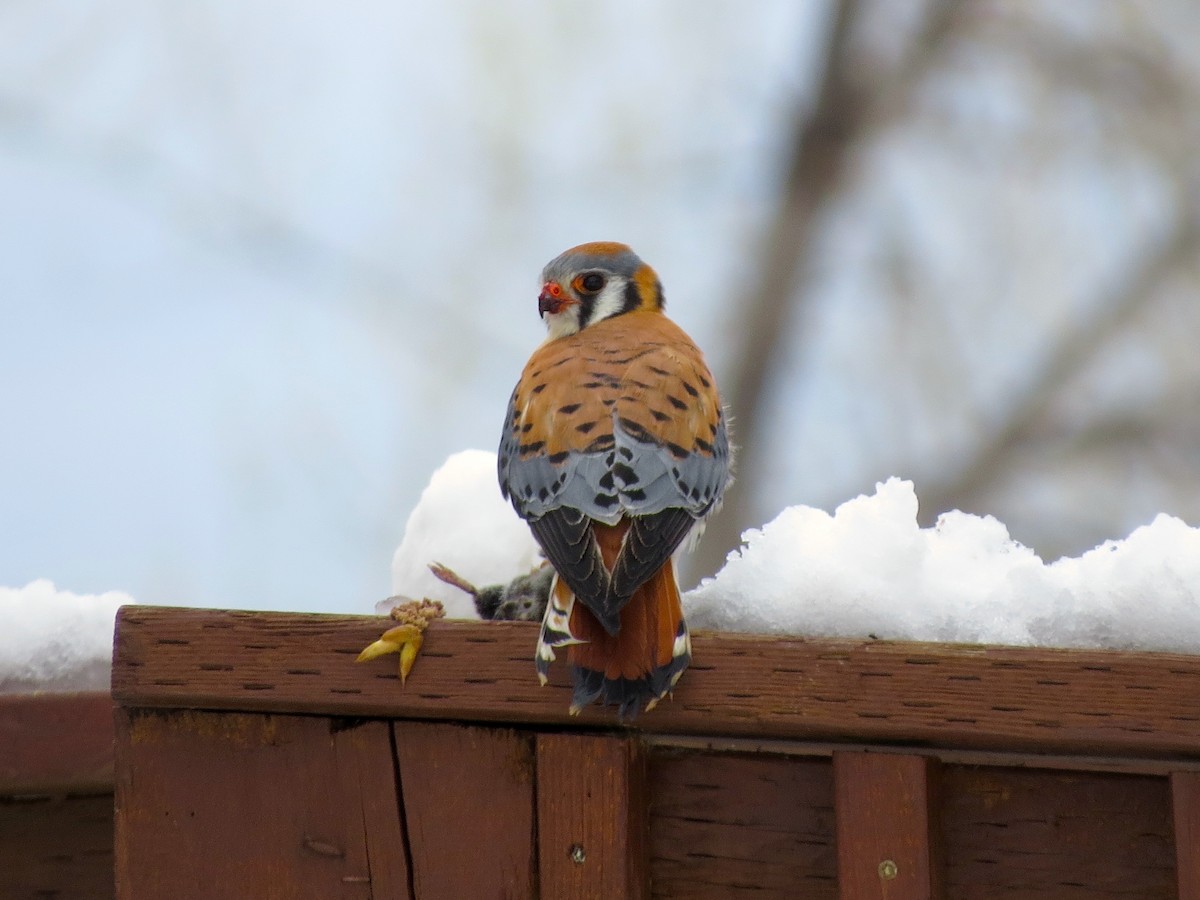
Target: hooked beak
<point>552,299</point>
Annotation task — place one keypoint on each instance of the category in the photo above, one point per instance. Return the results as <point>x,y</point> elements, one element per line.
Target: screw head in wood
<point>888,870</point>
<point>577,854</point>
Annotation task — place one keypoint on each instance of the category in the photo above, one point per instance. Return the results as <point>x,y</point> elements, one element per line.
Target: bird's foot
<point>407,637</point>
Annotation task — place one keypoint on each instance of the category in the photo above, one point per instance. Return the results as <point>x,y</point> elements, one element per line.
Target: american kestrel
<point>614,449</point>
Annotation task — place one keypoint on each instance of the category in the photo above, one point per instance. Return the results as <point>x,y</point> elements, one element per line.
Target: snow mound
<point>870,569</point>
<point>55,640</point>
<point>462,522</point>
<point>867,569</point>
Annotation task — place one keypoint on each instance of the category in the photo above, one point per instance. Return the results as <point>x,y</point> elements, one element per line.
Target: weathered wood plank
<point>255,806</point>
<point>1185,808</point>
<point>1055,835</point>
<point>365,778</point>
<point>592,817</point>
<point>468,807</point>
<point>887,835</point>
<point>57,847</point>
<point>727,826</point>
<point>56,743</point>
<point>933,695</point>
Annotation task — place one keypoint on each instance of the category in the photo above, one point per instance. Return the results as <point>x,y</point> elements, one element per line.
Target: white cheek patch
<point>609,301</point>
<point>563,323</point>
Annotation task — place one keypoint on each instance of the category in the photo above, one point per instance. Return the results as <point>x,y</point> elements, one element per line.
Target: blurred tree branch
<point>1073,353</point>
<point>846,106</point>
<point>1147,103</point>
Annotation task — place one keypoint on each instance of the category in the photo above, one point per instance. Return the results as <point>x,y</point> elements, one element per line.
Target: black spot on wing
<point>612,352</point>
<point>625,474</point>
<point>553,365</point>
<point>602,379</point>
<point>601,444</point>
<point>636,430</point>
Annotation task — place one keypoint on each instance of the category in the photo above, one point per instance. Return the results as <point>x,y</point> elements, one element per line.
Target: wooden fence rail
<point>255,758</point>
<point>56,795</point>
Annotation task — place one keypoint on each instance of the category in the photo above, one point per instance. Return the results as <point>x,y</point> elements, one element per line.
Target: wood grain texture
<point>268,806</point>
<point>1185,809</point>
<point>932,695</point>
<point>591,800</point>
<point>468,798</point>
<point>58,847</point>
<point>56,743</point>
<point>1030,835</point>
<point>727,826</point>
<point>887,838</point>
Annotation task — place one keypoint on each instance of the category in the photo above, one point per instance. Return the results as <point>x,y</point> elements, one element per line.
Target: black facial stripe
<point>587,309</point>
<point>633,297</point>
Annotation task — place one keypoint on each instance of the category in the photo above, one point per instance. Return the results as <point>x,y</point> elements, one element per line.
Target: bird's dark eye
<point>589,282</point>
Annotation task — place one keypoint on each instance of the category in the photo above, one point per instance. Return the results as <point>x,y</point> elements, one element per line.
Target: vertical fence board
<point>468,807</point>
<point>726,826</point>
<point>365,766</point>
<point>592,817</point>
<point>886,839</point>
<point>1185,806</point>
<point>242,805</point>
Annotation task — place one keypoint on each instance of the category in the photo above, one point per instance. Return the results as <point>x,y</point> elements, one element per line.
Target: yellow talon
<point>405,639</point>
<point>377,649</point>
<point>408,654</point>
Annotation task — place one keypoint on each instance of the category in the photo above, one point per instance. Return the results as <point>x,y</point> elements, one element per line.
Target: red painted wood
<point>886,835</point>
<point>468,807</point>
<point>56,743</point>
<point>994,698</point>
<point>592,817</point>
<point>740,826</point>
<point>237,805</point>
<point>1035,834</point>
<point>1185,804</point>
<point>56,847</point>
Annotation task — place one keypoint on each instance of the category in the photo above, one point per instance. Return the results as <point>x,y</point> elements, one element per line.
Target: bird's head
<point>593,282</point>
